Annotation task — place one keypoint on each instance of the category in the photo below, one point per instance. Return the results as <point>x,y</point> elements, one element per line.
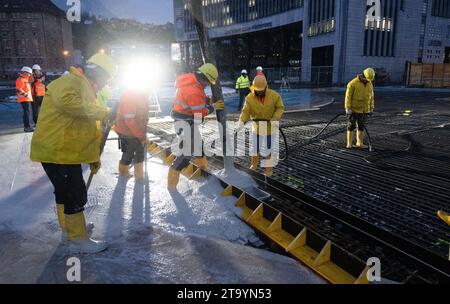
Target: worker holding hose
<point>68,135</point>
<point>263,106</point>
<point>359,102</point>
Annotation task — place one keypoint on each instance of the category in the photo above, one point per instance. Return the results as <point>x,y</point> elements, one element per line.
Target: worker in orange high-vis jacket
<point>191,100</point>
<point>131,125</point>
<point>24,96</point>
<point>38,91</point>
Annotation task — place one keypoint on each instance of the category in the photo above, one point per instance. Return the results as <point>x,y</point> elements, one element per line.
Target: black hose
<point>286,147</point>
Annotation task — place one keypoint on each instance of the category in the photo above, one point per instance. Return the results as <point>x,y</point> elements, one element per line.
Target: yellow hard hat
<point>369,74</point>
<point>105,62</point>
<point>260,83</point>
<point>210,71</point>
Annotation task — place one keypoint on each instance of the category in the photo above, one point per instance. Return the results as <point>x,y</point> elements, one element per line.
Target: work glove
<point>145,141</point>
<point>348,112</point>
<point>219,105</point>
<point>237,91</point>
<point>95,167</point>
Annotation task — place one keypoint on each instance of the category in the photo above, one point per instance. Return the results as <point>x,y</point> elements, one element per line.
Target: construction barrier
<point>329,261</point>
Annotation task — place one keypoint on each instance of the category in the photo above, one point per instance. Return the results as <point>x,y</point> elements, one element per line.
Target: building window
<point>321,17</point>
<point>379,36</point>
<point>441,8</point>
<point>219,13</point>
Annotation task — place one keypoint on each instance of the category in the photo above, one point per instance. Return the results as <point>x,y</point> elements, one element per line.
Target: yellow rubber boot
<point>202,163</point>
<point>360,140</point>
<point>79,241</point>
<point>62,223</point>
<point>254,162</point>
<point>173,178</point>
<point>350,139</point>
<point>139,171</point>
<point>61,216</point>
<point>444,216</point>
<point>124,170</point>
<point>269,170</point>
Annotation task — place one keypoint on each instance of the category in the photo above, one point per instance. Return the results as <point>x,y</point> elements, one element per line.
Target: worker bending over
<point>68,135</point>
<point>359,102</point>
<point>191,100</point>
<point>131,125</point>
<point>262,105</point>
<point>243,87</point>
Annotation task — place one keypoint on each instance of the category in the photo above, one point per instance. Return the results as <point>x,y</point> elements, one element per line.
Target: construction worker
<point>38,91</point>
<point>131,125</point>
<point>359,102</point>
<point>25,96</point>
<point>68,135</point>
<point>262,105</point>
<point>191,100</point>
<point>243,87</point>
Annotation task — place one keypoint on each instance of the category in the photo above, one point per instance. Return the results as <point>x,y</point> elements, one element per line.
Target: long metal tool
<point>106,131</point>
<point>202,31</point>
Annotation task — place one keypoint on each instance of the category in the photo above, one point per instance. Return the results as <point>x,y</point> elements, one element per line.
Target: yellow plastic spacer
<point>196,174</point>
<point>362,279</point>
<point>257,214</point>
<point>276,224</point>
<point>241,201</point>
<point>228,191</point>
<point>324,255</point>
<point>298,242</point>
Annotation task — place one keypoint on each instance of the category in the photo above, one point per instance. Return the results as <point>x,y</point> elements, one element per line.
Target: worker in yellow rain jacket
<point>359,102</point>
<point>67,136</point>
<point>262,105</point>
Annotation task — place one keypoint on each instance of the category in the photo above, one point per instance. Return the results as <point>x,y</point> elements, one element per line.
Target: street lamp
<point>66,53</point>
<point>102,51</point>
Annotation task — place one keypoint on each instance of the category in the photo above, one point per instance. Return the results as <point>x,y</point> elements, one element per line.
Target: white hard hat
<point>66,73</point>
<point>27,70</point>
<point>244,71</point>
<point>36,67</point>
<point>259,68</point>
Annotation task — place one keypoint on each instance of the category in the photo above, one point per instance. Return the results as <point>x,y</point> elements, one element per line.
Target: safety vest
<point>190,98</point>
<point>23,88</point>
<point>243,83</point>
<point>39,88</point>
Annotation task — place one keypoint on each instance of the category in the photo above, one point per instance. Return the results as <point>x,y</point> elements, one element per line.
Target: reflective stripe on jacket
<point>243,83</point>
<point>190,98</point>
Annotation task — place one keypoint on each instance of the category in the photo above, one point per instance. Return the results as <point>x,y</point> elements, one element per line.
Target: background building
<point>33,32</point>
<point>319,42</point>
